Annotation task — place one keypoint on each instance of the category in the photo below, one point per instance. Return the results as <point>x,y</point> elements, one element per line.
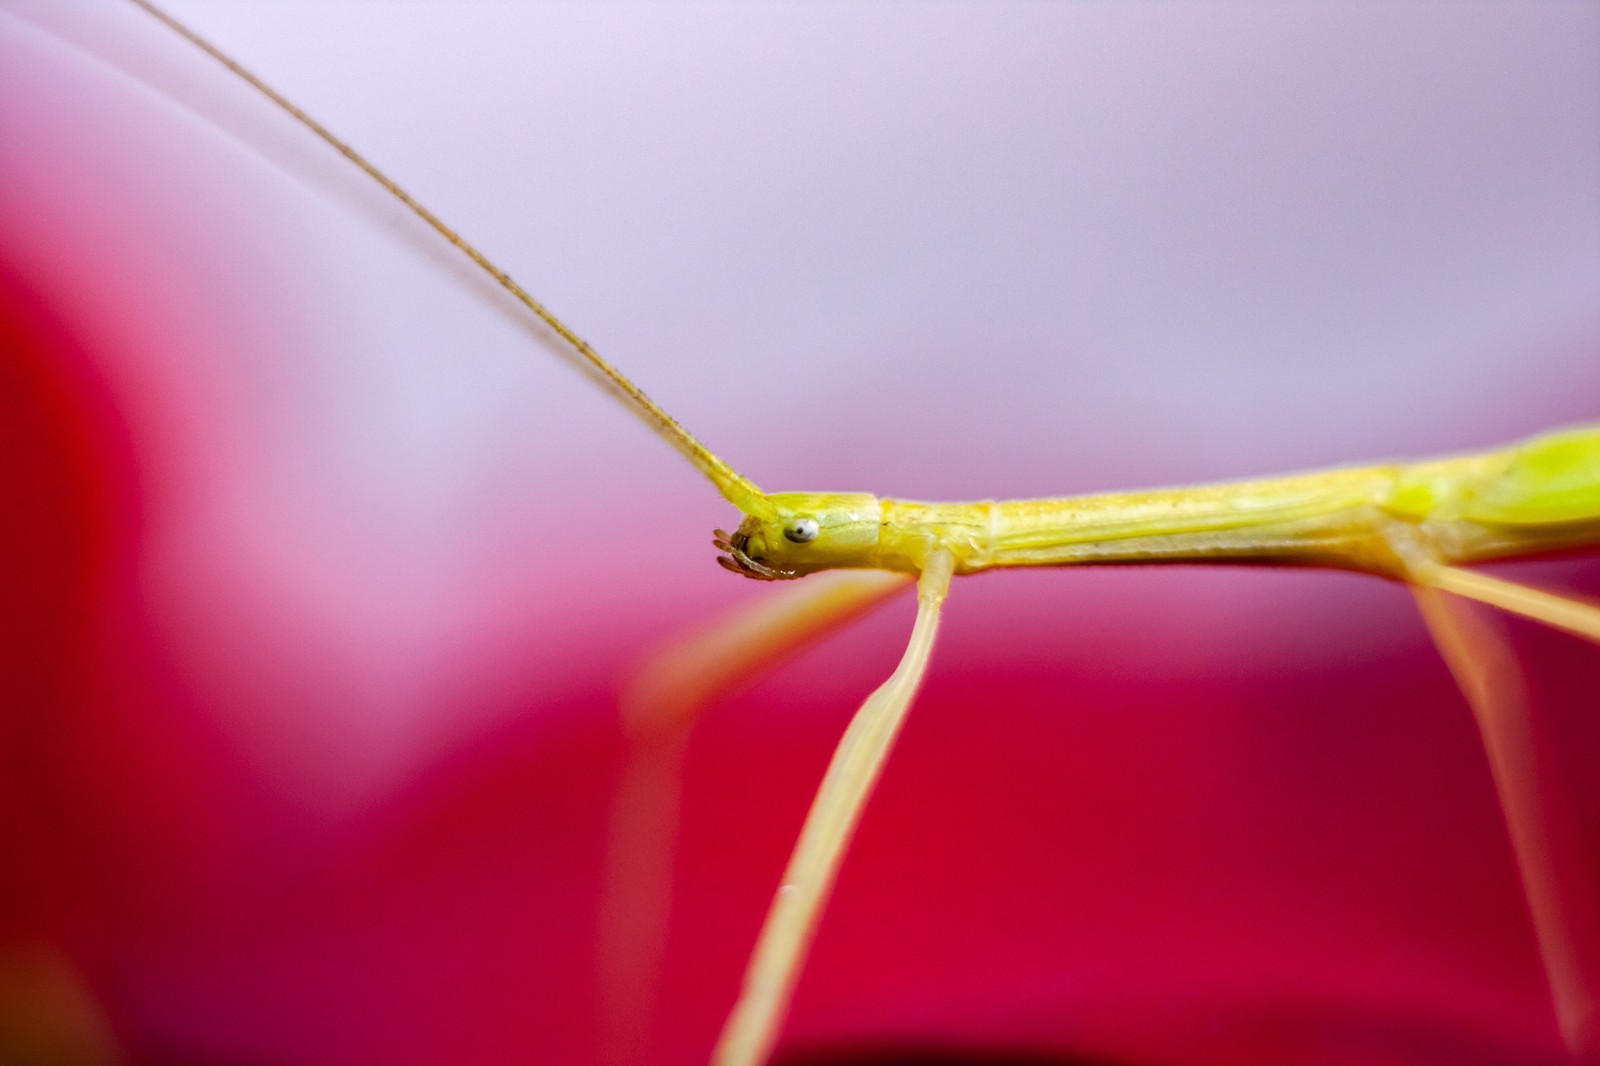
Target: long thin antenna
<point>734,486</point>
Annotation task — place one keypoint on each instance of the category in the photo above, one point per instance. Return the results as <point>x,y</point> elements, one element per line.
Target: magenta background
<point>321,583</point>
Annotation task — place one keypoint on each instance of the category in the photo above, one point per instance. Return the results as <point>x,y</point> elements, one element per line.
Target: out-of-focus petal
<point>321,578</point>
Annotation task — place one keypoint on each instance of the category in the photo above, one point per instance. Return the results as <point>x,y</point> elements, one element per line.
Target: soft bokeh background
<point>321,575</point>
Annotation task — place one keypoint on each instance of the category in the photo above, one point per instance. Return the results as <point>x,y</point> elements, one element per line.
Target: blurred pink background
<point>322,576</point>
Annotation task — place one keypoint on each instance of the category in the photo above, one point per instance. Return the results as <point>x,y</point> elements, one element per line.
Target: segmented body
<point>1537,496</point>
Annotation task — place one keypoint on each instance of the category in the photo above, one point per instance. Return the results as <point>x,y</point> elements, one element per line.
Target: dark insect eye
<point>801,530</point>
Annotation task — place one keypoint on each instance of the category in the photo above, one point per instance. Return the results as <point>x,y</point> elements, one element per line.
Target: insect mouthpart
<point>737,560</point>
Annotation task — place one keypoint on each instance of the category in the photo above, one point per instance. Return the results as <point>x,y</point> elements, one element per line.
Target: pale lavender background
<point>1279,234</point>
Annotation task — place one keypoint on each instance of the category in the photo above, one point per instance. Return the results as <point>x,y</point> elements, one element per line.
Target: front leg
<point>659,709</point>
<point>752,1030</point>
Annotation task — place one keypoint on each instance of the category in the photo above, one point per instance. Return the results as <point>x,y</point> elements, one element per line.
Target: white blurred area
<point>996,247</point>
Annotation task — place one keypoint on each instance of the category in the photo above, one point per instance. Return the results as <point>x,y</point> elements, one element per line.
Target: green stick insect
<point>1418,523</point>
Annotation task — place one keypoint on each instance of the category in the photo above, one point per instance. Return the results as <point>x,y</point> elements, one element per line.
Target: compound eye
<point>802,530</point>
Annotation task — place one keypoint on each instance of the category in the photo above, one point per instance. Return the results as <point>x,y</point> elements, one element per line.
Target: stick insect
<point>738,548</point>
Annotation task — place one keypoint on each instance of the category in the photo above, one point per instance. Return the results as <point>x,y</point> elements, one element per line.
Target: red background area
<point>313,641</point>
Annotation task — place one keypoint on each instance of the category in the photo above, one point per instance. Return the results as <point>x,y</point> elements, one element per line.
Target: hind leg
<point>1556,879</point>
